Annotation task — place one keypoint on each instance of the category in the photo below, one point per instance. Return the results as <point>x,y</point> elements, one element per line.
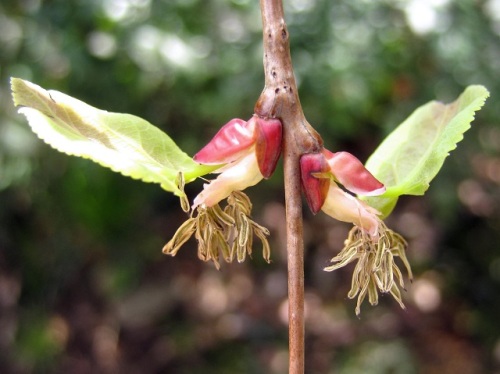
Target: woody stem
<point>280,99</point>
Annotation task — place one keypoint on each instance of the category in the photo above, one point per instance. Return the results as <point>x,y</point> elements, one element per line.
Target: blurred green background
<point>84,287</point>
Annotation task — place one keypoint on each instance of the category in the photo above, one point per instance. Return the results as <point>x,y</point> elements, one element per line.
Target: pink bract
<point>352,174</point>
<point>230,143</point>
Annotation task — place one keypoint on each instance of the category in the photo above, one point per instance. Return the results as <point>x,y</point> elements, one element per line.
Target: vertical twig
<point>280,99</point>
<point>295,251</point>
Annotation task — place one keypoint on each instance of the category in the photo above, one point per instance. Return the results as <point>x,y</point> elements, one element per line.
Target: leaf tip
<point>23,92</point>
<point>15,87</point>
<point>479,92</point>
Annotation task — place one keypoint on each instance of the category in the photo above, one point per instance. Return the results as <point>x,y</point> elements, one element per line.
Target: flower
<point>371,243</point>
<point>320,173</point>
<point>247,153</point>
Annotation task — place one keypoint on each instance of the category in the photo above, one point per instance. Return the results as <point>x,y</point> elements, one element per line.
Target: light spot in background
<point>413,223</point>
<point>341,58</point>
<point>143,47</point>
<point>492,9</point>
<point>101,44</point>
<point>358,35</point>
<point>472,195</point>
<point>276,284</point>
<point>152,48</point>
<point>312,305</point>
<point>105,346</point>
<point>353,88</point>
<point>10,33</point>
<point>176,51</point>
<point>283,312</point>
<point>148,303</point>
<point>56,65</point>
<point>17,139</point>
<point>45,51</point>
<point>425,16</point>
<point>299,6</point>
<point>487,167</point>
<point>279,361</point>
<point>384,323</point>
<point>239,288</point>
<point>116,9</point>
<point>422,19</point>
<point>230,326</point>
<point>232,29</point>
<point>496,351</point>
<point>10,289</point>
<point>212,296</point>
<point>201,46</point>
<point>17,146</point>
<point>330,320</point>
<point>147,37</point>
<point>58,330</point>
<point>126,10</point>
<point>426,294</point>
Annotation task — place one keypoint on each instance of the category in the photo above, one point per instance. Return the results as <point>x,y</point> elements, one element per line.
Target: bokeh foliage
<point>83,284</point>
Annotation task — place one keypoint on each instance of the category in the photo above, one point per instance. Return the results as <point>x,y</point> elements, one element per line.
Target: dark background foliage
<point>84,287</point>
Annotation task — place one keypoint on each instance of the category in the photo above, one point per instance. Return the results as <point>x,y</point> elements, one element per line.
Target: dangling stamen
<point>224,232</point>
<point>376,271</point>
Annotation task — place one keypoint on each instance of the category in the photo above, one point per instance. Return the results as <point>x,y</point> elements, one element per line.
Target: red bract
<point>232,140</point>
<point>246,151</point>
<point>352,174</point>
<point>315,189</point>
<point>268,145</point>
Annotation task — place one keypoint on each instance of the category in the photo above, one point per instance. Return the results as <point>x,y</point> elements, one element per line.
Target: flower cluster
<point>245,152</point>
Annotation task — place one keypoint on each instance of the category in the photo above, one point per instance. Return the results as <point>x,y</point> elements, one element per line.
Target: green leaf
<point>122,142</point>
<point>411,156</point>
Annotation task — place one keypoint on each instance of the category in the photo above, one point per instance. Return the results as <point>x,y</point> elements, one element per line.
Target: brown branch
<point>280,99</point>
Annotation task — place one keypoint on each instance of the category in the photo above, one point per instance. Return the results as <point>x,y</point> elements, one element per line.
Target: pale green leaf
<point>411,156</point>
<point>122,142</point>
